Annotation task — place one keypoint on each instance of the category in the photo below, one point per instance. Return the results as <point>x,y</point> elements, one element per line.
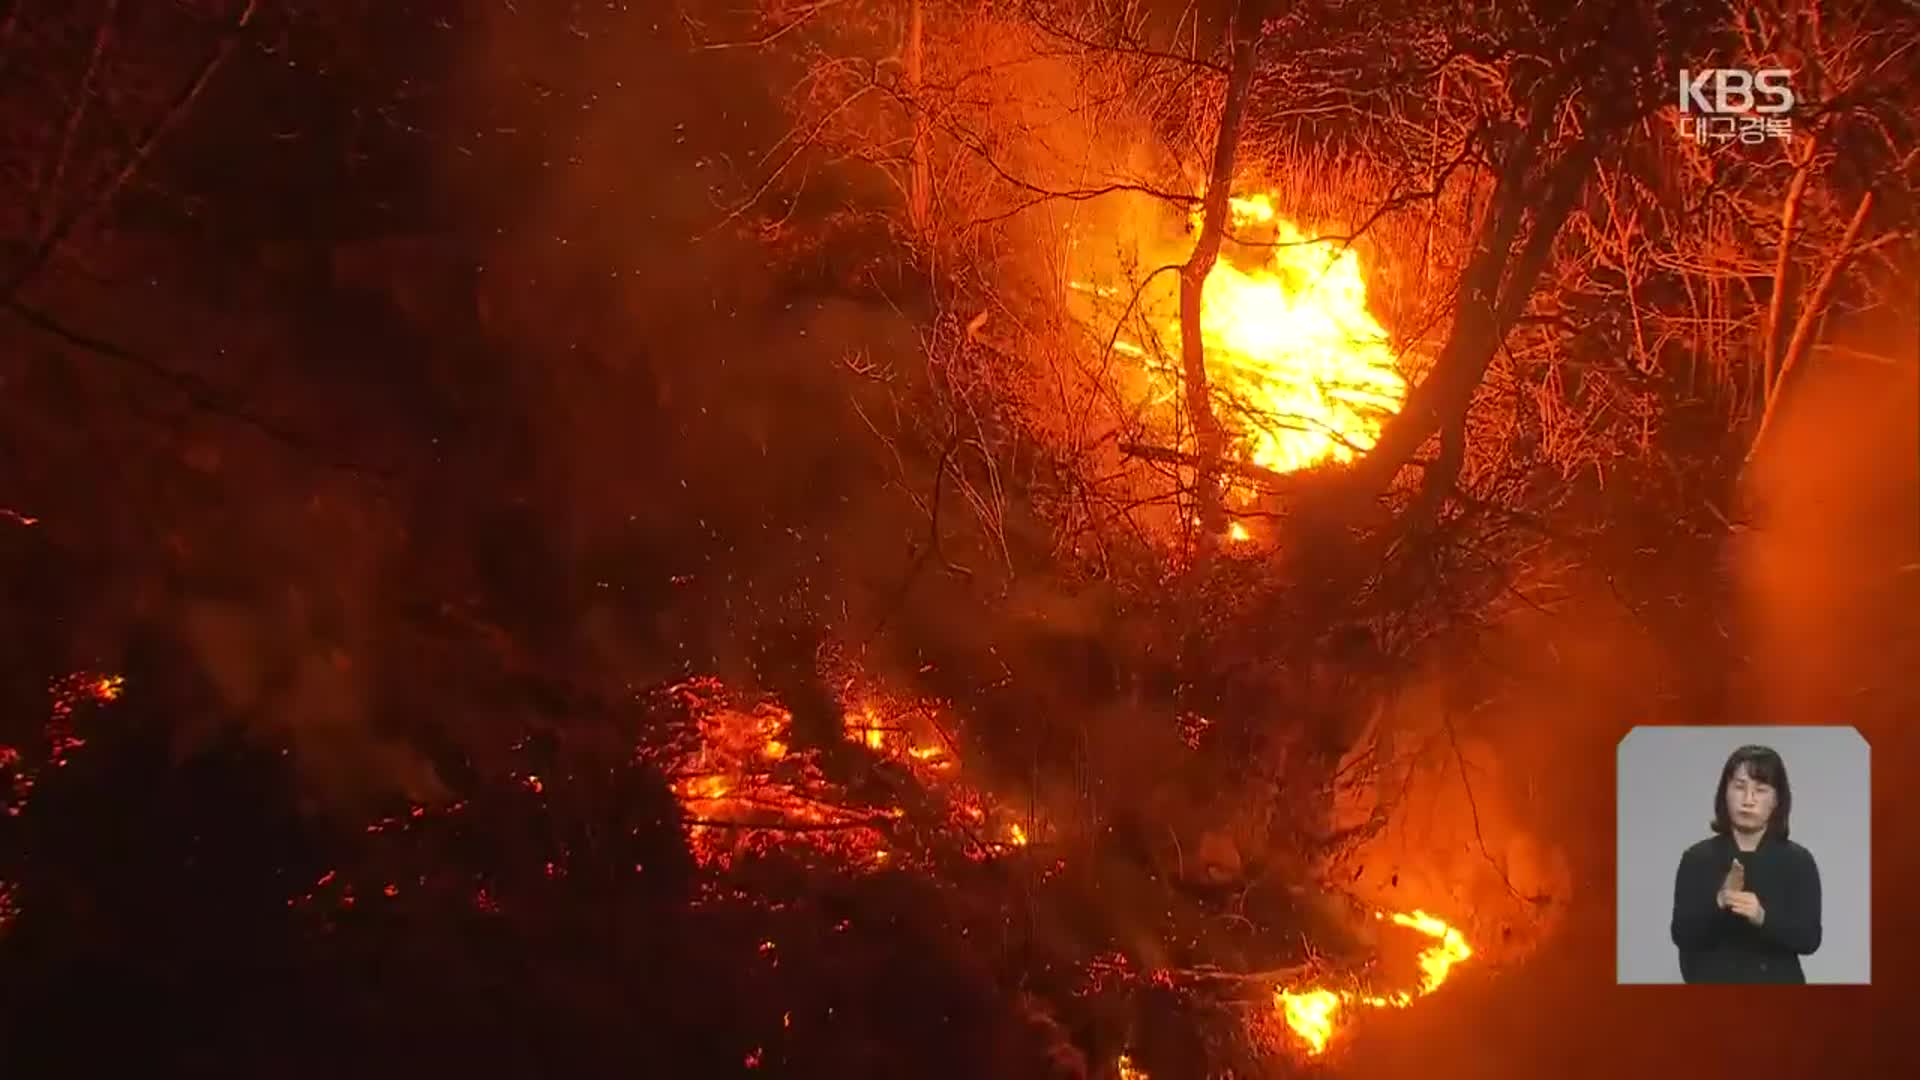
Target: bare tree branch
<point>176,111</point>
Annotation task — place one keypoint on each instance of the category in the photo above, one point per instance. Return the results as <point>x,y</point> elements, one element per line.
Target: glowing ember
<point>744,791</point>
<point>919,747</point>
<point>747,790</point>
<point>84,686</point>
<point>69,694</point>
<point>17,517</point>
<point>1128,1070</point>
<point>18,777</point>
<point>1313,1014</point>
<point>1302,372</point>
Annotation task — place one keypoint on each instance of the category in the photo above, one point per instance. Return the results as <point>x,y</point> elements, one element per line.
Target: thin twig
<point>1473,806</point>
<point>182,103</point>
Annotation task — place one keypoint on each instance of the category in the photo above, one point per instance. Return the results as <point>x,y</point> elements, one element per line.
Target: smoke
<point>1829,569</point>
<point>1820,628</point>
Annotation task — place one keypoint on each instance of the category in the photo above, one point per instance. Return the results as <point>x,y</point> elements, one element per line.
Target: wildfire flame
<point>1302,372</point>
<point>1308,371</point>
<point>1313,1014</point>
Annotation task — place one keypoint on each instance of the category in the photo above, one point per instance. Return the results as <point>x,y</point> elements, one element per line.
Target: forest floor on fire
<point>451,622</point>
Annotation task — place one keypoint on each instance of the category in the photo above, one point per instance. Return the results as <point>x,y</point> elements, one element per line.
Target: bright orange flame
<point>1310,1015</point>
<point>1307,370</point>
<point>1313,1014</point>
<point>1436,961</point>
<point>865,728</point>
<point>1302,372</point>
<point>1128,1070</point>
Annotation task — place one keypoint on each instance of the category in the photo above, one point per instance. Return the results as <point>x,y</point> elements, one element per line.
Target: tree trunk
<point>1807,328</point>
<point>1210,442</point>
<point>920,197</point>
<point>1494,289</point>
<point>1782,274</point>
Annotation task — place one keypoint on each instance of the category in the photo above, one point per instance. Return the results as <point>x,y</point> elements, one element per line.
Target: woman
<point>1746,901</point>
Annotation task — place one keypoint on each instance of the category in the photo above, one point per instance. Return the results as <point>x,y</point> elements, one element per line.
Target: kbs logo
<point>1731,91</point>
<point>1728,103</point>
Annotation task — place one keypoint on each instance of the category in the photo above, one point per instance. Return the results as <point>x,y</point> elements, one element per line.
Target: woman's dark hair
<point>1763,767</point>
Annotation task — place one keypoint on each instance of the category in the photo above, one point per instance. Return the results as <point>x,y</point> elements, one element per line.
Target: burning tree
<point>1223,287</point>
<point>1137,397</point>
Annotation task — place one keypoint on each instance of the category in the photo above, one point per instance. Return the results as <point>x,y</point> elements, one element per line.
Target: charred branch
<point>1209,437</point>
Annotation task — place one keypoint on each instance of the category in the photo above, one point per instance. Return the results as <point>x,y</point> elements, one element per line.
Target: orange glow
<point>864,727</point>
<point>1302,373</point>
<point>1313,1014</point>
<point>17,517</point>
<point>746,789</point>
<point>1128,1070</point>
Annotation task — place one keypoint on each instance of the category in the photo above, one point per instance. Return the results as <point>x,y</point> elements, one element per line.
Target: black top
<point>1718,946</point>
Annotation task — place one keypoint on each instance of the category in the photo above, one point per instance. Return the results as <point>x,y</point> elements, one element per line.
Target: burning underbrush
<point>749,789</point>
<point>749,792</point>
<point>798,838</point>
